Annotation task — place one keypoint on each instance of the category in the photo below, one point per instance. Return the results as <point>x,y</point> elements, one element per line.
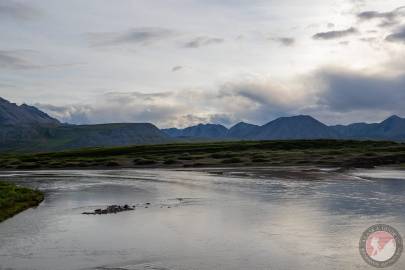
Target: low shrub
<point>231,160</point>
<point>170,162</point>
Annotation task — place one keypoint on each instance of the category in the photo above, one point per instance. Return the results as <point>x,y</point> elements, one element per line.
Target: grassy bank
<point>244,153</point>
<point>14,199</point>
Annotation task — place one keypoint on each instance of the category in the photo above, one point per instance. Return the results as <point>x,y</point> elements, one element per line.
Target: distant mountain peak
<point>242,124</point>
<point>206,131</point>
<point>242,130</point>
<point>295,127</point>
<point>301,116</point>
<point>393,118</point>
<point>392,122</point>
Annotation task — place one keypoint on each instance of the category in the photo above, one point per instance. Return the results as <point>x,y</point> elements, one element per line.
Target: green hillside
<point>35,138</point>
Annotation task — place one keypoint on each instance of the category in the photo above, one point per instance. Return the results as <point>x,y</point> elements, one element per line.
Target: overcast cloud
<point>397,36</point>
<point>17,10</point>
<point>389,18</point>
<point>182,62</point>
<point>140,35</point>
<point>336,34</point>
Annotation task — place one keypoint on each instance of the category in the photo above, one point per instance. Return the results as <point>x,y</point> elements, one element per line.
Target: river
<point>226,219</point>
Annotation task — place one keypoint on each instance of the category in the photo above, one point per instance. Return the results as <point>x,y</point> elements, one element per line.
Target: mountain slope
<point>204,131</point>
<point>78,136</point>
<point>393,128</point>
<point>12,114</point>
<point>47,138</point>
<point>242,130</point>
<point>26,128</point>
<point>295,127</point>
<point>55,138</point>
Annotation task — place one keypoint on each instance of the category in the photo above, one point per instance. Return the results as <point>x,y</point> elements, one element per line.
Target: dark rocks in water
<point>112,209</point>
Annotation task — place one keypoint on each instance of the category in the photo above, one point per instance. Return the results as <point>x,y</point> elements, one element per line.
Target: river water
<point>227,219</point>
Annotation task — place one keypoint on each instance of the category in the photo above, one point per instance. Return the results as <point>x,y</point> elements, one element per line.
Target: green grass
<point>14,199</point>
<point>244,153</point>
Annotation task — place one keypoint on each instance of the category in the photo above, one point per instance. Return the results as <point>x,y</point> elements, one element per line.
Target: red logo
<point>381,245</point>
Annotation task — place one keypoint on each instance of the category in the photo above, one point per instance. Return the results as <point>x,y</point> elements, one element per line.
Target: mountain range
<point>284,128</point>
<point>26,128</point>
<point>297,127</point>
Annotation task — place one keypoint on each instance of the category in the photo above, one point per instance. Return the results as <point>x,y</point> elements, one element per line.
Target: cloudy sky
<point>182,62</point>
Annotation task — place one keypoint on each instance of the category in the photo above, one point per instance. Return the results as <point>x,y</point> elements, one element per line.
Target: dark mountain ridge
<point>242,130</point>
<point>12,114</point>
<point>295,127</point>
<point>392,128</point>
<point>26,128</point>
<point>304,127</point>
<point>211,131</point>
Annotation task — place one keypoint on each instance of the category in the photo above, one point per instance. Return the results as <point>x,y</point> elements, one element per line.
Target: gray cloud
<point>6,85</point>
<point>187,107</point>
<point>139,36</point>
<point>335,34</point>
<point>388,18</point>
<point>329,94</point>
<point>77,114</point>
<point>398,36</point>
<point>176,68</point>
<point>203,41</point>
<point>15,59</point>
<point>17,10</point>
<point>259,101</point>
<point>126,107</point>
<point>368,39</point>
<point>344,91</point>
<point>27,59</point>
<point>369,15</point>
<point>285,41</point>
<point>223,119</point>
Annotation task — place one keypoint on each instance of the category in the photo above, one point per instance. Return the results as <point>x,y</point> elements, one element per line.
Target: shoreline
<point>203,167</point>
<point>208,167</point>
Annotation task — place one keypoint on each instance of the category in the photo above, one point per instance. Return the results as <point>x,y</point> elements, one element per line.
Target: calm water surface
<point>201,220</point>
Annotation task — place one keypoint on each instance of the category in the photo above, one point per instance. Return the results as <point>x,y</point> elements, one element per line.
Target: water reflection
<point>252,219</point>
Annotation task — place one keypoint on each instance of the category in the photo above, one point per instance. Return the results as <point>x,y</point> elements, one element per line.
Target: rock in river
<point>111,209</point>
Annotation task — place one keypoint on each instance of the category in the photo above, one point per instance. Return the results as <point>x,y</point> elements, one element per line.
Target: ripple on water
<point>141,266</point>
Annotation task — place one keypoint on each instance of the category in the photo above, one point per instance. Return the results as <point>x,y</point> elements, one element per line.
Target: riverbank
<point>321,153</point>
<point>15,199</point>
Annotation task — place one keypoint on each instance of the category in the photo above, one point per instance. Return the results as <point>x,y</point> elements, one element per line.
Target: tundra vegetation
<point>14,199</point>
<point>332,153</point>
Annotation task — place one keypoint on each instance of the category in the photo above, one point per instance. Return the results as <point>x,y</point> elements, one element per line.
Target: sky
<point>177,63</point>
